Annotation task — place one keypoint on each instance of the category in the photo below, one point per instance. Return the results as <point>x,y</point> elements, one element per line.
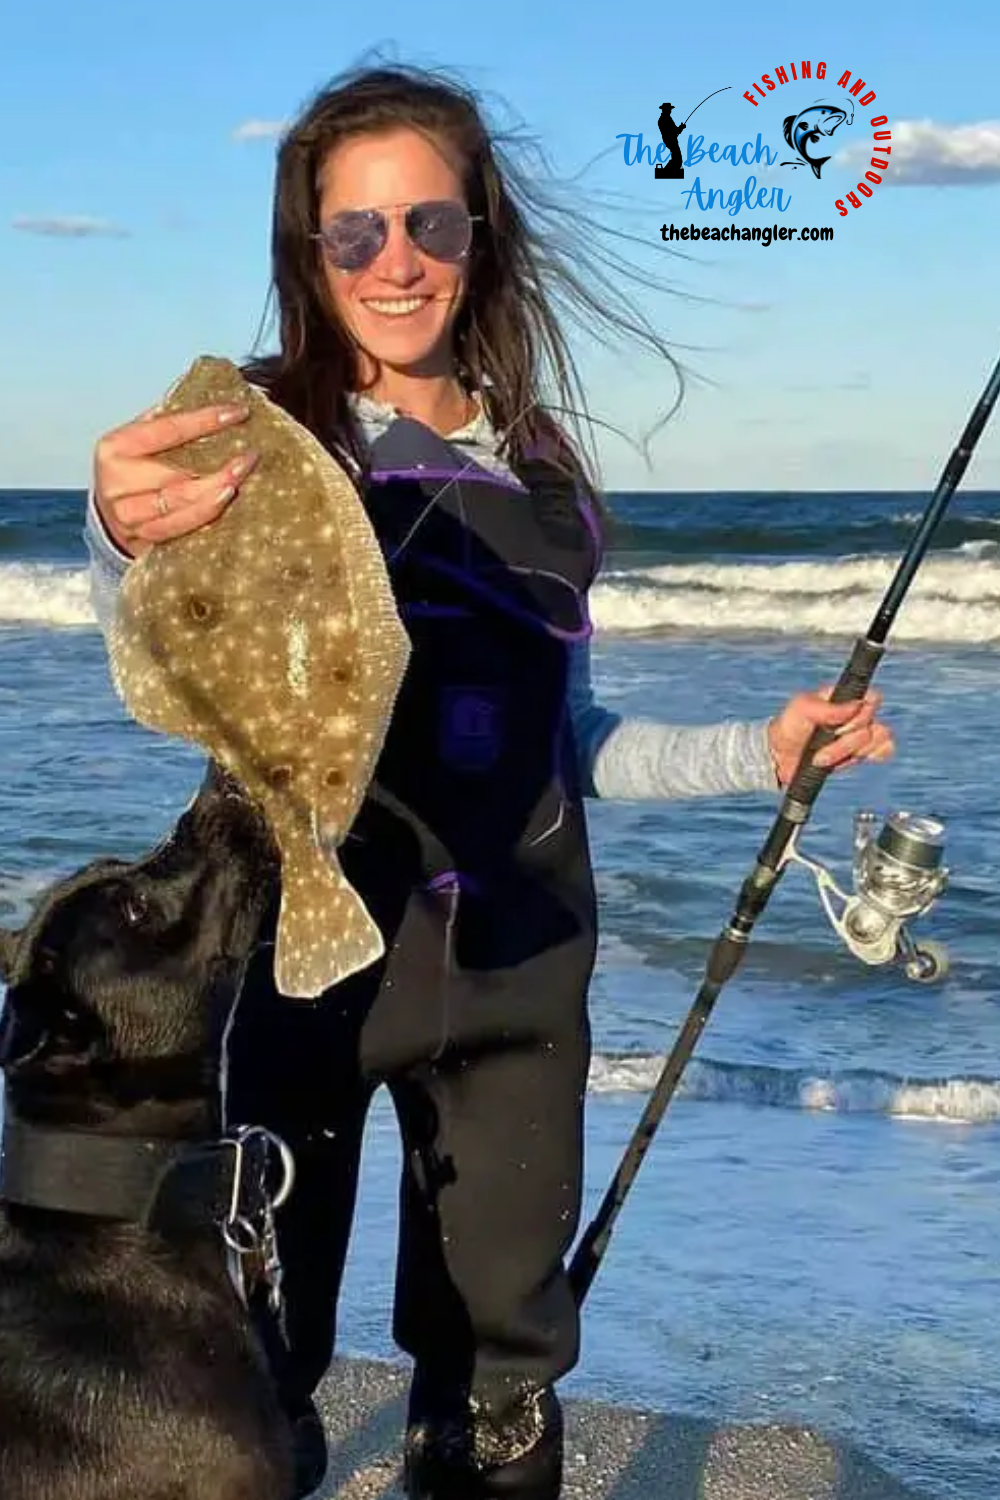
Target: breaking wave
<point>44,594</point>
<point>955,598</point>
<point>969,1101</point>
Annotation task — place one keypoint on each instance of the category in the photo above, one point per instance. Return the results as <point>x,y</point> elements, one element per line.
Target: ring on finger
<point>162,503</point>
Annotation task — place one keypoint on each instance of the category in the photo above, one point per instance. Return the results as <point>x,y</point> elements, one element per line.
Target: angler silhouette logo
<point>669,133</point>
<point>810,131</point>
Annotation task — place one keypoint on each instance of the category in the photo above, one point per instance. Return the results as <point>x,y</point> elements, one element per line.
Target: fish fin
<point>325,931</point>
<point>789,122</point>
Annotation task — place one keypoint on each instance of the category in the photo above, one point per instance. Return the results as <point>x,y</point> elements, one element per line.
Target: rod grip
<point>851,686</point>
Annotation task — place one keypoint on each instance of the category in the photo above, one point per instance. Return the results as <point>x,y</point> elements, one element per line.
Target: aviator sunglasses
<point>440,228</point>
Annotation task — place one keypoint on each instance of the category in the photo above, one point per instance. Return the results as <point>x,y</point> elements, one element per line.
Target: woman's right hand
<point>142,500</point>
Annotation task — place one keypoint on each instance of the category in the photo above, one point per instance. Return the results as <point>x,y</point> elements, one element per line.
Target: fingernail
<point>224,496</point>
<point>241,466</point>
<point>232,414</point>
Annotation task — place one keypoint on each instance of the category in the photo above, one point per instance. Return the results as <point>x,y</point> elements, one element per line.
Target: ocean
<point>814,1236</point>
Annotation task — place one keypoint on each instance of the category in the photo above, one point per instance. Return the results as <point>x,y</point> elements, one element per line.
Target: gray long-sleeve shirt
<point>619,757</point>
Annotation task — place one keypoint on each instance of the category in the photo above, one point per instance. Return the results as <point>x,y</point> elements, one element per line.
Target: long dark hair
<point>509,341</point>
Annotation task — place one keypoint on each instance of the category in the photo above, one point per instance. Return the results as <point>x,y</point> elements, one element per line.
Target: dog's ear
<point>8,949</point>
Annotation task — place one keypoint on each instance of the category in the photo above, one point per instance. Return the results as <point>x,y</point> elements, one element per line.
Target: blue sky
<point>845,364</point>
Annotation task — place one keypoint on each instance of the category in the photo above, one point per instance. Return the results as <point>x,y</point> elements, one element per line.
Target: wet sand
<point>612,1453</point>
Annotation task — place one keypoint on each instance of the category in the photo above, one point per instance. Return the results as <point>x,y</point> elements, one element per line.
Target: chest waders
<point>471,853</point>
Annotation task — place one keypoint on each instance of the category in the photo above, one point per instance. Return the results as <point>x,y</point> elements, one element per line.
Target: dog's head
<point>121,984</point>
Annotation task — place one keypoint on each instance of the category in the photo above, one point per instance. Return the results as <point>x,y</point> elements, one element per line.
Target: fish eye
<point>202,610</point>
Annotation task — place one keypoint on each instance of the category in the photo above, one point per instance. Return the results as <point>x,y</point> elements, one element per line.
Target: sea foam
<point>955,598</point>
<point>968,1100</point>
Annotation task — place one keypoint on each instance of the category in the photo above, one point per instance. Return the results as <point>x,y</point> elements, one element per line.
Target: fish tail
<point>325,931</point>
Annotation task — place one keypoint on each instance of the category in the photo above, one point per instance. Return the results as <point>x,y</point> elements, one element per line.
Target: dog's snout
<point>224,807</point>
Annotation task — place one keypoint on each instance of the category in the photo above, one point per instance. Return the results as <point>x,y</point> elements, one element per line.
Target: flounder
<point>271,638</point>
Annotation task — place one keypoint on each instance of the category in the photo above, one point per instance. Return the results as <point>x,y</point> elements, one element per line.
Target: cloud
<point>858,381</point>
<point>69,227</point>
<point>259,130</point>
<point>925,154</point>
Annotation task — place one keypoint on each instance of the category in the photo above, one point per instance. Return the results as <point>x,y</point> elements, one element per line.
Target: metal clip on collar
<point>248,1223</point>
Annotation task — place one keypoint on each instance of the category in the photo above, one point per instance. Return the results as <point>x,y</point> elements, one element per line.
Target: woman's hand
<point>142,500</point>
<point>860,736</point>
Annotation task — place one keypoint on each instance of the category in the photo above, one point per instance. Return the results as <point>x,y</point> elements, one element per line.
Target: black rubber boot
<point>456,1452</point>
<point>310,1451</point>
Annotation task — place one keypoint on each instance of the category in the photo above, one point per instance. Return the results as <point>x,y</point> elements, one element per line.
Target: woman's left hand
<point>860,736</point>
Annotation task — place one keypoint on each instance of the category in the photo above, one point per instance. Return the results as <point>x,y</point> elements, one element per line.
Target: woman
<point>414,322</point>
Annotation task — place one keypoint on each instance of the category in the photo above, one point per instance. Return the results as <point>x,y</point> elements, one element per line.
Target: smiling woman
<point>396,271</point>
<point>415,265</point>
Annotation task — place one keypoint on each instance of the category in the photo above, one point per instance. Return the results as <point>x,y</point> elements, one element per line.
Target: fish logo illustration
<point>813,126</point>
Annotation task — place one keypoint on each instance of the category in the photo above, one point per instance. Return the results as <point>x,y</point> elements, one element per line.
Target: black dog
<point>128,1365</point>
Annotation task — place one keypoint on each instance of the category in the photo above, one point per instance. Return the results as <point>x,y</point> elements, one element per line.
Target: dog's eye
<point>135,908</point>
<point>46,963</point>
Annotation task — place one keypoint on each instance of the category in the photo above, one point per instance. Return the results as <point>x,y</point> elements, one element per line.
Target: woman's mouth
<point>396,307</point>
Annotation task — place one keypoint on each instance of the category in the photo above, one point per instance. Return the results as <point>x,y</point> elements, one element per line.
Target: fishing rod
<point>705,101</point>
<point>904,846</point>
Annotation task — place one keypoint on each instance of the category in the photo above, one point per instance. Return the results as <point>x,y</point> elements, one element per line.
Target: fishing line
<point>467,468</point>
<point>705,101</point>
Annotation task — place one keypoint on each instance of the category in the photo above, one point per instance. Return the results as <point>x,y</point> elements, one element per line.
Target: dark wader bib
<point>471,853</point>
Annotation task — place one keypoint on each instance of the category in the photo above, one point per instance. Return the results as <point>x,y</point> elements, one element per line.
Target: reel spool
<point>898,875</point>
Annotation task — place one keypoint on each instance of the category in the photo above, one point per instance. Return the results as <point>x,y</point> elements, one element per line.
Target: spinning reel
<point>898,875</point>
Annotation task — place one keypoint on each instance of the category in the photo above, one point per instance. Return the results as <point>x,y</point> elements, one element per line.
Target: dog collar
<point>157,1183</point>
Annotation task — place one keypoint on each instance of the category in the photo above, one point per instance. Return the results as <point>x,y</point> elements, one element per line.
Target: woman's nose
<point>399,260</point>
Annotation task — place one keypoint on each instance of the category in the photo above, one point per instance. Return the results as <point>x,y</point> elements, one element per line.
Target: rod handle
<point>852,685</point>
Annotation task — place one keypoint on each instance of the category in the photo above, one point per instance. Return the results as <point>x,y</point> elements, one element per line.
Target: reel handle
<point>852,685</point>
<point>930,963</point>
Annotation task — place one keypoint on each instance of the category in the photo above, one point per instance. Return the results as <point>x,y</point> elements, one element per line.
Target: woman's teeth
<point>399,306</point>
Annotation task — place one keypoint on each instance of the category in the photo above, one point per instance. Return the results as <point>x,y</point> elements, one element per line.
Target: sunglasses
<point>440,228</point>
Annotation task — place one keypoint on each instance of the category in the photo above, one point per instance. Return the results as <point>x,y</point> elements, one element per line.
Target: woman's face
<point>401,307</point>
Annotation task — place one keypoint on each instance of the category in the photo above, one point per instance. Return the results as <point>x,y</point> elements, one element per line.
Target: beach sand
<point>612,1453</point>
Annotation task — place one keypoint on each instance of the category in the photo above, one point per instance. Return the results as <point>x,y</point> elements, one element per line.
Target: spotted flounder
<point>271,639</point>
